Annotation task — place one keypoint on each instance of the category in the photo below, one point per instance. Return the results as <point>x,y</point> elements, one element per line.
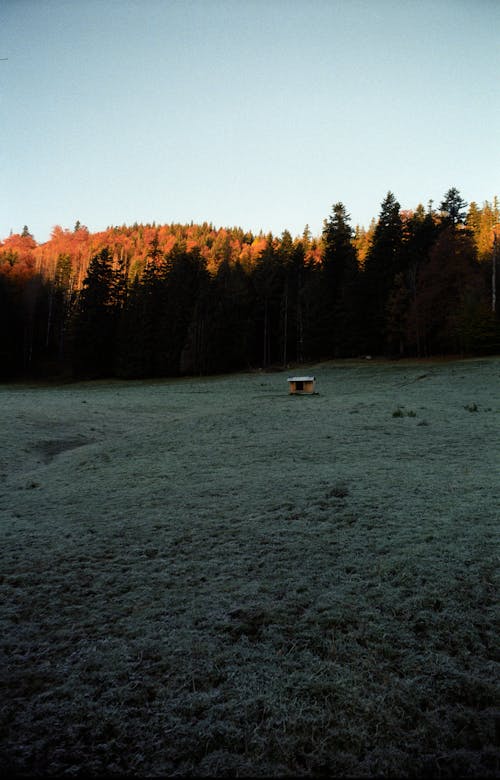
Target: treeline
<point>152,301</point>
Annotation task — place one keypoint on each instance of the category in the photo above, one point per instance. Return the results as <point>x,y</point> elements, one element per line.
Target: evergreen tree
<point>60,298</point>
<point>267,279</point>
<point>314,313</point>
<point>339,270</point>
<point>185,278</point>
<point>452,296</point>
<point>298,280</point>
<point>420,234</point>
<point>473,219</point>
<point>227,325</point>
<point>96,319</point>
<point>12,327</point>
<point>453,208</point>
<point>286,260</point>
<point>152,308</point>
<point>397,316</point>
<point>482,222</point>
<point>133,360</point>
<point>383,262</point>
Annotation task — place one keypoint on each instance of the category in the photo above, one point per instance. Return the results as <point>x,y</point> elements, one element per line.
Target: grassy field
<point>212,577</point>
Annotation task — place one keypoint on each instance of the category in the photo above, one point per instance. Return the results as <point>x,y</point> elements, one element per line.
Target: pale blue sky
<point>257,113</point>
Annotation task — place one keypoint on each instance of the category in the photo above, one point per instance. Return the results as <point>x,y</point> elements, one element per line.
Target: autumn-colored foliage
<point>175,298</point>
<point>129,245</point>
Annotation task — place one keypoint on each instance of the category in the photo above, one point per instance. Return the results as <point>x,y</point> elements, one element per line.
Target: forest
<point>167,300</point>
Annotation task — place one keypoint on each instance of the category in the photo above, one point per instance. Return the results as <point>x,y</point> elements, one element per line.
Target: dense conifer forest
<point>167,300</point>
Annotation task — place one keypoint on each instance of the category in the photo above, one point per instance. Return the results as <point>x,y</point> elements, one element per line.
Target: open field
<point>209,576</point>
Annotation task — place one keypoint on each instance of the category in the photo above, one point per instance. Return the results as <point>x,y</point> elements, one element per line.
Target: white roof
<point>301,378</point>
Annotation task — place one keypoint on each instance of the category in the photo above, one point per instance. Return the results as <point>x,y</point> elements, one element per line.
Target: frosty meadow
<point>211,576</point>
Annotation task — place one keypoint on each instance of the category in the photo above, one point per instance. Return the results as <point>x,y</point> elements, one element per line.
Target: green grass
<point>207,577</point>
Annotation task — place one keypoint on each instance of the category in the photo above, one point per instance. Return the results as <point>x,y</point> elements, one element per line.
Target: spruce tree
<point>453,208</point>
<point>339,270</point>
<point>96,318</point>
<point>420,234</point>
<point>452,296</point>
<point>267,278</point>
<point>285,259</point>
<point>185,276</point>
<point>383,262</point>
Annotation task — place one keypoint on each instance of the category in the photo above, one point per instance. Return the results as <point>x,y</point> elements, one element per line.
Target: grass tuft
<point>400,411</point>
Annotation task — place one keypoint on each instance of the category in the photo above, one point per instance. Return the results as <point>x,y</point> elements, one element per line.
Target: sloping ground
<point>209,576</point>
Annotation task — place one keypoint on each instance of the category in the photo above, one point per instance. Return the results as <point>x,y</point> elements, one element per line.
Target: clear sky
<point>256,113</point>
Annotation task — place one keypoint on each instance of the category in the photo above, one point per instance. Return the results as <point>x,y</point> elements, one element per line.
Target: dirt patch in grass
<point>204,577</point>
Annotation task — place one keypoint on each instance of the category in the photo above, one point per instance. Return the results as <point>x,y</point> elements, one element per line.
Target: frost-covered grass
<point>209,576</point>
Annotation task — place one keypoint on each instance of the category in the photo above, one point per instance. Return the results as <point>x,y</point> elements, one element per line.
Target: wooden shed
<point>301,385</point>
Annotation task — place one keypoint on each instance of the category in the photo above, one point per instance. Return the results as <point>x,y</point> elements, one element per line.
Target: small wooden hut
<point>301,385</point>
